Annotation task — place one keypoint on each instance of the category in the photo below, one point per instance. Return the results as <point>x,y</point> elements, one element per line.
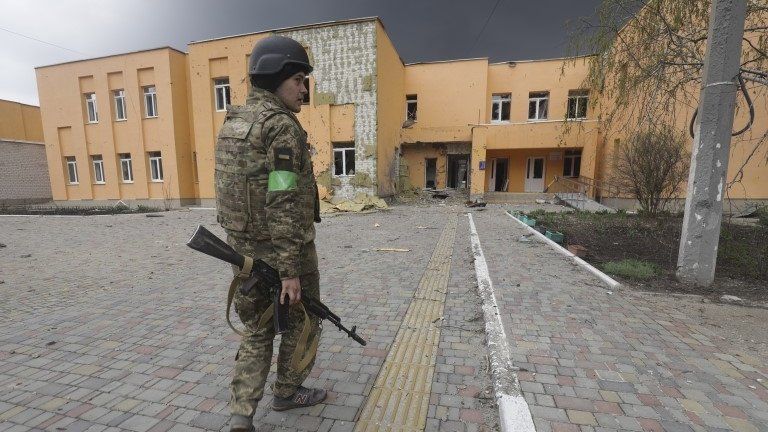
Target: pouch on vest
<point>232,196</point>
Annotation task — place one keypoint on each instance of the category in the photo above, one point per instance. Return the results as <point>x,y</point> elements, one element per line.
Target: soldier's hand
<point>291,288</point>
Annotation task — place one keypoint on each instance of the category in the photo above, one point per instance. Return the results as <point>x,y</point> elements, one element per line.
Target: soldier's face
<point>292,92</point>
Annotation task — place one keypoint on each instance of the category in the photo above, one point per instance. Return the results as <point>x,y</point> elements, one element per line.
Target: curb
<point>604,277</point>
<point>514,414</point>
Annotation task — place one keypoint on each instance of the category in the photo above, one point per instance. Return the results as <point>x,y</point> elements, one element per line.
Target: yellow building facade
<point>20,122</point>
<point>376,125</point>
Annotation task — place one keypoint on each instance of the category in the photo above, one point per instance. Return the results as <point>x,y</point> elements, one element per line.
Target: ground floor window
<point>72,169</point>
<point>126,166</point>
<point>344,159</point>
<point>572,163</point>
<point>430,173</point>
<point>156,166</point>
<point>98,169</point>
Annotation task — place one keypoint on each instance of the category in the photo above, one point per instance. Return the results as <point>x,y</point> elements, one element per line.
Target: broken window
<point>156,166</point>
<point>120,113</point>
<point>537,105</point>
<point>90,104</point>
<point>577,104</point>
<point>98,169</point>
<point>72,169</point>
<point>306,95</point>
<point>411,105</point>
<point>344,159</point>
<point>500,107</point>
<point>126,167</point>
<point>572,163</point>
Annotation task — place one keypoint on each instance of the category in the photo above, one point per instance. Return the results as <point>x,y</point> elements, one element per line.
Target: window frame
<point>570,161</point>
<point>412,99</point>
<point>119,97</point>
<point>90,104</point>
<point>126,161</point>
<point>150,97</point>
<point>537,98</point>
<point>155,165</point>
<point>226,91</point>
<point>97,162</point>
<point>71,162</point>
<point>577,95</point>
<point>501,99</point>
<point>344,149</point>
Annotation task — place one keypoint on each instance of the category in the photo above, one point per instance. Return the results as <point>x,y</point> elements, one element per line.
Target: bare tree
<point>648,60</point>
<point>652,164</point>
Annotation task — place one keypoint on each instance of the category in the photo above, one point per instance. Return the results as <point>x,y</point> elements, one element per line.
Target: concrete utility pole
<point>711,144</point>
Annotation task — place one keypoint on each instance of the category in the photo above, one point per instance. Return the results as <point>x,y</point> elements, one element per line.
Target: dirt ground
<point>742,266</point>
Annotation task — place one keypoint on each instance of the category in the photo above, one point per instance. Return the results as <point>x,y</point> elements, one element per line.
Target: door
<point>430,173</point>
<point>534,175</point>
<point>499,179</point>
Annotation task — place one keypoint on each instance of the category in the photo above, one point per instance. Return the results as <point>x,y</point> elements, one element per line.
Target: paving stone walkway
<point>111,323</point>
<point>594,359</point>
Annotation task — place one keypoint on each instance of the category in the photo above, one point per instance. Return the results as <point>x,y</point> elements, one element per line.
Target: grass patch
<point>75,210</point>
<point>632,269</point>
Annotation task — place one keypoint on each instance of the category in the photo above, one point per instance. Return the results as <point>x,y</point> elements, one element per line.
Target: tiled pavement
<point>111,323</point>
<point>598,359</point>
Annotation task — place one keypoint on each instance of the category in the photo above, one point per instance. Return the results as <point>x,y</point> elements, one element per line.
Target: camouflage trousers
<point>254,356</point>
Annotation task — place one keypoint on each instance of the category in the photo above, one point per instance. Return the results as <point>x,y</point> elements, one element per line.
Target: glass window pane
<point>567,166</point>
<point>349,159</point>
<point>338,162</point>
<point>495,111</point>
<point>538,168</point>
<point>532,110</point>
<point>577,166</point>
<point>582,108</point>
<point>505,106</point>
<point>543,108</point>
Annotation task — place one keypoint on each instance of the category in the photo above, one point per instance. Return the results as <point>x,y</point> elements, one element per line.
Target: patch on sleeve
<point>283,159</point>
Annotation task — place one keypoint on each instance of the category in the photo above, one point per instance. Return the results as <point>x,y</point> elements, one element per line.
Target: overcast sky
<point>422,30</point>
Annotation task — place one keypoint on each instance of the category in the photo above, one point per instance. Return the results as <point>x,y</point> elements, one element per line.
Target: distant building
<point>23,167</point>
<point>142,126</point>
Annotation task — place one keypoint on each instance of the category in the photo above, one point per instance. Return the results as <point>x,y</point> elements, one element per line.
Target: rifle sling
<point>297,362</point>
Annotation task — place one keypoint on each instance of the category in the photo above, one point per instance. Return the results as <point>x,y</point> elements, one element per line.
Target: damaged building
<point>141,127</point>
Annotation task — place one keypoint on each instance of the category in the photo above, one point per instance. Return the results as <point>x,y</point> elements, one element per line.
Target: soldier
<point>267,203</point>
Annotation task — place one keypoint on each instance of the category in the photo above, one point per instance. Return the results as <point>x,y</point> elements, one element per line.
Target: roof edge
<point>446,61</point>
<point>544,60</point>
<point>167,47</point>
<point>19,103</point>
<point>298,27</point>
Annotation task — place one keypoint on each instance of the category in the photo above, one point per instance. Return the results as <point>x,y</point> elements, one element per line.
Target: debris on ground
<point>578,250</point>
<point>361,202</point>
<point>440,195</point>
<point>426,196</point>
<point>475,204</point>
<point>2,245</point>
<point>391,250</point>
<point>727,298</point>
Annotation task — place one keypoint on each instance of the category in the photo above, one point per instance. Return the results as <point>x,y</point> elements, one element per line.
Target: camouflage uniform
<point>267,202</point>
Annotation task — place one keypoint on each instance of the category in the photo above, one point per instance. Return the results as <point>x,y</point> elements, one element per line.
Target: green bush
<point>632,269</point>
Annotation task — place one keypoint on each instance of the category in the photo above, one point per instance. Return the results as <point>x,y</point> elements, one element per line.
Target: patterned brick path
<point>111,323</point>
<point>594,359</point>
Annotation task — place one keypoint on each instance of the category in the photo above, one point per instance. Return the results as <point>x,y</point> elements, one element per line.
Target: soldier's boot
<point>241,423</point>
<point>303,397</point>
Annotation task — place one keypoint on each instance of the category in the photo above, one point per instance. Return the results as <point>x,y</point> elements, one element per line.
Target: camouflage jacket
<point>266,194</point>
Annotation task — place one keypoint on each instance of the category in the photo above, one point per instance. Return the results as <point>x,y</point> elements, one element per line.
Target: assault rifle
<point>264,277</point>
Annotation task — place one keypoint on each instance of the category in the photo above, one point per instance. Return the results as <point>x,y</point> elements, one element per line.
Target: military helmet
<point>271,55</point>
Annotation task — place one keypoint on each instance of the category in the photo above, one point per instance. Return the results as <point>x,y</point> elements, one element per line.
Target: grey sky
<point>422,30</point>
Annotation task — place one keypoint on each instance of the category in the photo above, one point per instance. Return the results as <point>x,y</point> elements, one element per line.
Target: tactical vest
<point>241,178</point>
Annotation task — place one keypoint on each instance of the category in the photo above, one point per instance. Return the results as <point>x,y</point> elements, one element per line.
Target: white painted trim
<point>514,414</point>
<point>604,277</point>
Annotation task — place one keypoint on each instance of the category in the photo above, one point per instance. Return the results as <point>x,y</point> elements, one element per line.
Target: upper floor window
<point>98,169</point>
<point>150,101</point>
<point>500,107</point>
<point>221,93</point>
<point>126,167</point>
<point>71,169</point>
<point>90,105</point>
<point>538,103</point>
<point>411,106</point>
<point>344,159</point>
<point>572,163</point>
<point>306,95</point>
<point>119,105</point>
<point>577,104</point>
<point>155,166</point>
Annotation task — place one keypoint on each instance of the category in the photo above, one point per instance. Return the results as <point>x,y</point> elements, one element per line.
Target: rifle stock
<point>265,277</point>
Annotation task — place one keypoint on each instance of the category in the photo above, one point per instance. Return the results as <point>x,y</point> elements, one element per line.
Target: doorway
<point>458,169</point>
<point>499,174</point>
<point>430,173</point>
<point>534,174</point>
